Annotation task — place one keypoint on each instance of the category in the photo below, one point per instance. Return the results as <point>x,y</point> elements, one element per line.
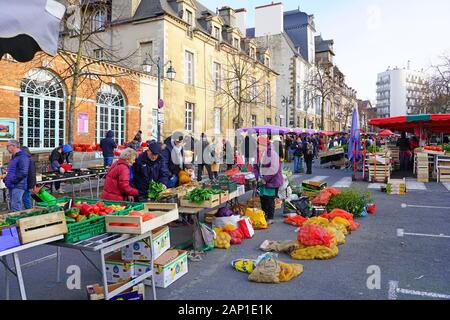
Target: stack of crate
<point>379,166</point>
<point>443,168</point>
<point>423,171</point>
<point>396,187</point>
<point>395,155</point>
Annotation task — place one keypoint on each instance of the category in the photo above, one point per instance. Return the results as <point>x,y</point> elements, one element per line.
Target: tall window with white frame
<point>217,76</point>
<point>189,117</point>
<point>253,120</point>
<point>268,94</point>
<point>99,21</point>
<point>190,21</point>
<point>111,113</point>
<point>189,68</point>
<point>253,90</point>
<point>216,33</point>
<point>217,120</point>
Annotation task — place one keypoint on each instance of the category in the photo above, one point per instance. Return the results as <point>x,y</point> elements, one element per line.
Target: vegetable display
<point>3,224</point>
<point>145,217</point>
<point>373,149</point>
<point>433,148</point>
<point>200,195</point>
<point>84,211</point>
<point>154,190</point>
<point>352,201</point>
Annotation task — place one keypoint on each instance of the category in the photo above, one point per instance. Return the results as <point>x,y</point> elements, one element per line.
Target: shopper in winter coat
<point>31,182</point>
<point>228,154</point>
<point>204,154</point>
<point>308,151</point>
<point>268,173</point>
<point>186,175</point>
<point>173,154</point>
<point>16,179</point>
<point>108,145</point>
<point>58,156</point>
<point>297,148</point>
<point>117,183</point>
<point>148,167</point>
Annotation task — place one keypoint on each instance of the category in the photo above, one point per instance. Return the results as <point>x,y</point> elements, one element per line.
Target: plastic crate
<point>9,238</point>
<point>85,229</point>
<point>13,218</point>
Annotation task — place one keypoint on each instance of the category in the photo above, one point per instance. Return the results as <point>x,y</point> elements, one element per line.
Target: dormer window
<point>189,17</point>
<point>236,43</point>
<point>216,33</point>
<point>252,53</point>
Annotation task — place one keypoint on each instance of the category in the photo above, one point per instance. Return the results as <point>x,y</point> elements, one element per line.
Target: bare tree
<point>435,93</point>
<point>242,86</point>
<point>82,33</point>
<point>321,84</point>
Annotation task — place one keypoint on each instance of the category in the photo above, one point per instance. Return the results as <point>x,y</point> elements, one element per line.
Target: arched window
<point>111,113</point>
<point>99,21</point>
<point>42,110</point>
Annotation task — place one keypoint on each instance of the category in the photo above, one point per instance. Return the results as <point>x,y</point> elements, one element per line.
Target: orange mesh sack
<point>314,235</point>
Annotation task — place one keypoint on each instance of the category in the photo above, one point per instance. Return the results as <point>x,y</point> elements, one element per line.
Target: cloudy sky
<point>371,35</point>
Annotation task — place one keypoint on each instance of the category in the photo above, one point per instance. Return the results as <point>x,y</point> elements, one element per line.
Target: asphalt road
<point>417,263</point>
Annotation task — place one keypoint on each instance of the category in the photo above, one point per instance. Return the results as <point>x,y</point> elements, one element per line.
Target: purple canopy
<point>267,129</point>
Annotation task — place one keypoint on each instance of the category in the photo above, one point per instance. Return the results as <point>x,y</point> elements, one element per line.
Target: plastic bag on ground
<point>338,236</point>
<point>245,225</point>
<point>314,235</point>
<point>289,271</point>
<point>279,246</point>
<point>315,252</point>
<point>344,214</point>
<point>322,199</point>
<point>333,191</point>
<point>297,221</point>
<point>257,217</point>
<point>220,222</point>
<point>267,271</point>
<point>317,221</point>
<point>344,222</point>
<point>244,265</point>
<point>223,240</point>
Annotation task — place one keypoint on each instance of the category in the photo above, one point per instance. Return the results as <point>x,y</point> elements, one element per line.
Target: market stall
<point>430,161</point>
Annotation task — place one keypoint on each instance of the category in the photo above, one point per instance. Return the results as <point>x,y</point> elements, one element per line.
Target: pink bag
<point>245,224</point>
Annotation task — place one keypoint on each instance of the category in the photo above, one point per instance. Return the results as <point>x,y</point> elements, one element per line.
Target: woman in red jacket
<point>117,183</point>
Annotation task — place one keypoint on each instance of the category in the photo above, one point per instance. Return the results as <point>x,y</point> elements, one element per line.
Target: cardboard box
<point>96,292</point>
<point>141,250</point>
<point>167,273</point>
<point>117,269</point>
<point>224,197</point>
<point>241,190</point>
<point>141,267</point>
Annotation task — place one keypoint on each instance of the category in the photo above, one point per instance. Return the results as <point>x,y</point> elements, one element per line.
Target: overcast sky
<point>371,35</point>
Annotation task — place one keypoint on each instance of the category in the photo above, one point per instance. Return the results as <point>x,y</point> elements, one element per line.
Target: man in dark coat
<point>31,181</point>
<point>173,154</point>
<point>17,178</point>
<point>108,145</point>
<point>204,157</point>
<point>148,167</point>
<point>250,147</point>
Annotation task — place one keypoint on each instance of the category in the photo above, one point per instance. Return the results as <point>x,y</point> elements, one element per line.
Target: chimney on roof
<point>269,19</point>
<point>241,20</point>
<point>228,15</point>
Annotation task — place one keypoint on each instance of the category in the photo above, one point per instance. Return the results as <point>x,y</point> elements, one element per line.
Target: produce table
<point>334,156</point>
<point>17,271</point>
<point>105,244</point>
<point>84,178</point>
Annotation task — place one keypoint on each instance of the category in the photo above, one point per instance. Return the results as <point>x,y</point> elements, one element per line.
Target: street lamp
<point>147,65</point>
<point>340,117</point>
<point>287,101</point>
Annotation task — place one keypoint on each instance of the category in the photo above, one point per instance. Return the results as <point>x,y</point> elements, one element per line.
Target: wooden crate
<point>165,213</point>
<point>224,197</point>
<point>213,202</point>
<point>42,227</point>
<point>233,195</point>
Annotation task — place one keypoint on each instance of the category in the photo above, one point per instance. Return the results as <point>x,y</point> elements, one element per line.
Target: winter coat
<point>117,183</point>
<point>297,147</point>
<point>250,147</point>
<point>17,177</point>
<point>31,181</point>
<point>184,178</point>
<point>270,169</point>
<point>108,145</point>
<point>228,153</point>
<point>146,171</point>
<point>174,167</point>
<point>56,160</point>
<point>202,150</point>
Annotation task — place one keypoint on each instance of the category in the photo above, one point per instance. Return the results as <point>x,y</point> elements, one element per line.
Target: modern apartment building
<point>399,92</point>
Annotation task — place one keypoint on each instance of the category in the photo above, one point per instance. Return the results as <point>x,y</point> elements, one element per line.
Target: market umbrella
<point>386,133</point>
<point>354,144</point>
<point>29,26</point>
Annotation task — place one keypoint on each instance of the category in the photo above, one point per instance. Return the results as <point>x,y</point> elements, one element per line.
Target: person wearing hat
<point>268,173</point>
<point>204,157</point>
<point>149,166</point>
<point>173,154</point>
<point>108,145</point>
<point>58,156</point>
